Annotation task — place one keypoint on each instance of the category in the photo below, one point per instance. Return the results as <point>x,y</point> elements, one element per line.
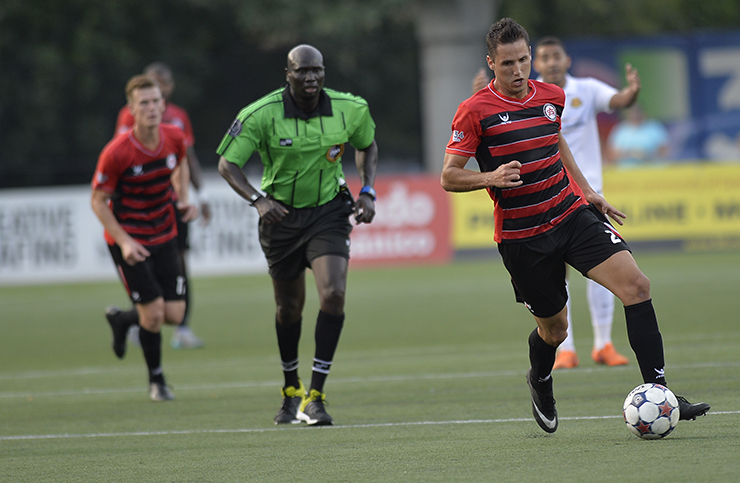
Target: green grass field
<point>427,385</point>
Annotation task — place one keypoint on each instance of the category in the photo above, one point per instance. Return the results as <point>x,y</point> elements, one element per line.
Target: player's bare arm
<point>367,162</point>
<point>456,178</point>
<point>269,210</point>
<point>566,156</point>
<point>627,96</point>
<point>196,178</point>
<point>181,184</point>
<point>133,252</point>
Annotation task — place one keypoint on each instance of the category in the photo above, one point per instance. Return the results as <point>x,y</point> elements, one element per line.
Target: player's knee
<point>332,300</point>
<point>288,314</point>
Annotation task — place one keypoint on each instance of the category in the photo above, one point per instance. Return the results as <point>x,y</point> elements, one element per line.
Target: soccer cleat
<point>609,356</point>
<point>185,338</point>
<point>688,411</point>
<point>312,410</point>
<point>292,399</point>
<point>566,359</point>
<point>119,329</point>
<point>543,403</point>
<point>159,391</point>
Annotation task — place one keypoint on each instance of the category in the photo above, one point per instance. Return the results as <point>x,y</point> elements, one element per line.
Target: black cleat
<point>120,330</point>
<point>688,411</point>
<point>292,399</point>
<point>312,410</point>
<point>543,403</point>
<point>160,391</point>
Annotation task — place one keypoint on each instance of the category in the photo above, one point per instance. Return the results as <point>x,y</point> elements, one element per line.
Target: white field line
<point>297,427</point>
<point>273,383</point>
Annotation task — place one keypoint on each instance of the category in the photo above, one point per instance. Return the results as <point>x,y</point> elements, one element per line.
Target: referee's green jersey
<point>301,152</point>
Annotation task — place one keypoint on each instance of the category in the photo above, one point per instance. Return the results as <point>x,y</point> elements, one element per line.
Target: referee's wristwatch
<point>254,197</point>
<point>368,190</point>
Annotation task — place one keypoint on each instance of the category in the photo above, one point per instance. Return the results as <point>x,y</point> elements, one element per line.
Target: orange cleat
<point>566,360</point>
<point>609,356</point>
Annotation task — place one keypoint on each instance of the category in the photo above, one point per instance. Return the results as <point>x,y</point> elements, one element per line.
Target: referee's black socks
<point>328,330</point>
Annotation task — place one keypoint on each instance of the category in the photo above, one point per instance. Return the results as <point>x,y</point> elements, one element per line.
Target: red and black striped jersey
<point>496,130</point>
<point>139,182</point>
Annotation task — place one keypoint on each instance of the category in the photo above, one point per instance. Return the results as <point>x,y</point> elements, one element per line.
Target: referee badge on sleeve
<point>236,128</point>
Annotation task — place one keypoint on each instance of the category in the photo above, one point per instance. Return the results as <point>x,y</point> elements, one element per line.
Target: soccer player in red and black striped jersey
<point>546,214</point>
<point>133,187</point>
<point>183,337</point>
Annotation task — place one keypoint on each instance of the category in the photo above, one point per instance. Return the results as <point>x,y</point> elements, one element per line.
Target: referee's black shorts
<point>537,267</point>
<point>305,234</point>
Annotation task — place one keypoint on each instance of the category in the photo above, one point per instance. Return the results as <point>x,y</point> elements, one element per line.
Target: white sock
<point>601,305</point>
<point>568,344</point>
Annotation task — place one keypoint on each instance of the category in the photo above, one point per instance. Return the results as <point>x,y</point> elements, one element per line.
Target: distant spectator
<point>637,139</point>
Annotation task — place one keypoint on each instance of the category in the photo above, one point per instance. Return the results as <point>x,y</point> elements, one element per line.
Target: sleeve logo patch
<point>335,152</point>
<point>236,128</point>
<point>457,136</point>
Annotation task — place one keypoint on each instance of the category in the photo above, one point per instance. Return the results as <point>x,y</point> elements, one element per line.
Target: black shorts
<point>537,267</point>
<point>160,275</point>
<point>304,235</point>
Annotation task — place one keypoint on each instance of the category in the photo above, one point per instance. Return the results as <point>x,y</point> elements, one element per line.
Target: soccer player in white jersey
<point>585,98</point>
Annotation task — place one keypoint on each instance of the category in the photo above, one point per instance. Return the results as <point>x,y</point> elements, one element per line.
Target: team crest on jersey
<point>286,142</point>
<point>236,128</point>
<point>335,152</point>
<point>550,112</point>
<point>504,117</point>
<point>577,102</point>
<point>171,161</point>
<point>137,169</point>
<point>457,136</point>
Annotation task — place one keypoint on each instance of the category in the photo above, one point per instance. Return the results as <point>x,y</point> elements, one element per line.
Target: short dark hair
<point>549,40</point>
<point>138,82</point>
<point>505,31</point>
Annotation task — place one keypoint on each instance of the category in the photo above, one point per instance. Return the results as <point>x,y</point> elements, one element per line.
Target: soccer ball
<point>651,411</point>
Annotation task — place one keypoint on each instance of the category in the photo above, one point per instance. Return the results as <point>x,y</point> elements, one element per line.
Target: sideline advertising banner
<point>52,235</point>
<point>411,225</point>
<point>696,201</point>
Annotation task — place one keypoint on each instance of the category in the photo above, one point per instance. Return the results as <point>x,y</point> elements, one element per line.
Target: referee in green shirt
<point>300,132</point>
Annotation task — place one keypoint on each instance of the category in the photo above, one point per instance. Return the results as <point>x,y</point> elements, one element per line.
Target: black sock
<point>129,317</point>
<point>288,337</point>
<point>151,345</point>
<point>541,356</point>
<point>328,330</point>
<point>646,341</point>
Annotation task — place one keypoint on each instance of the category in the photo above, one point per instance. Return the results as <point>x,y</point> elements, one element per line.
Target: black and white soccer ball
<point>651,411</point>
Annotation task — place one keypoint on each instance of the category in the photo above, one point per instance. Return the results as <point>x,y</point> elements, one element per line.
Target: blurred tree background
<point>64,64</point>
